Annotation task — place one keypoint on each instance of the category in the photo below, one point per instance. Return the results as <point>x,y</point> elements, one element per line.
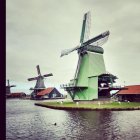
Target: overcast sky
<point>37,31</point>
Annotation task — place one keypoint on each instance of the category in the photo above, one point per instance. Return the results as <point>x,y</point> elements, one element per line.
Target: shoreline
<point>76,107</point>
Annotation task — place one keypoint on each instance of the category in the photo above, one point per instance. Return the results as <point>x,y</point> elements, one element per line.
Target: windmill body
<point>39,83</point>
<point>8,88</point>
<point>90,67</point>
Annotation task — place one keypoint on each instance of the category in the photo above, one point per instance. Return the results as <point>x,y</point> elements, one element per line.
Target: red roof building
<point>16,95</point>
<point>130,93</point>
<point>50,92</point>
<point>45,91</point>
<point>134,89</point>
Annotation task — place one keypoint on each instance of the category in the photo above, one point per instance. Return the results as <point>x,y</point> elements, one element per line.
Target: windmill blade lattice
<point>85,27</point>
<point>95,39</point>
<point>100,42</point>
<point>67,51</point>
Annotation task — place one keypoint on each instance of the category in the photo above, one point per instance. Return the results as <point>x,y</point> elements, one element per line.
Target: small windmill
<point>8,87</point>
<point>40,82</point>
<point>90,65</point>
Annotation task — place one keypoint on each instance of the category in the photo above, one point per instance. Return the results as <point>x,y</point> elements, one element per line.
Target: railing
<point>116,86</point>
<point>67,85</point>
<point>108,87</point>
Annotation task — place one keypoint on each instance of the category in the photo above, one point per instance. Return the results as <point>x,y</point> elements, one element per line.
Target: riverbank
<point>91,106</point>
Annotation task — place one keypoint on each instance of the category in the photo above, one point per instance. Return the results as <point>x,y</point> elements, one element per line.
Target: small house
<point>49,93</point>
<point>130,93</point>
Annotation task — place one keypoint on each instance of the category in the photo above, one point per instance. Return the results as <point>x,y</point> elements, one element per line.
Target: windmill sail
<point>84,37</point>
<point>31,79</point>
<point>13,86</point>
<point>85,27</point>
<point>102,39</point>
<point>38,70</point>
<point>100,42</point>
<point>84,34</point>
<point>97,38</point>
<point>47,75</point>
<point>67,51</point>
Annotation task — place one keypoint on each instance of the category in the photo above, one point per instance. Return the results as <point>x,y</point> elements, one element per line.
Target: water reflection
<point>26,121</point>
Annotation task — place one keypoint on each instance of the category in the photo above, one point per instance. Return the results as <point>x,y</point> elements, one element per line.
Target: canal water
<point>25,121</point>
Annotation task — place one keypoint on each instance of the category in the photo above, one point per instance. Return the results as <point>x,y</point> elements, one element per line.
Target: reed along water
<point>25,121</point>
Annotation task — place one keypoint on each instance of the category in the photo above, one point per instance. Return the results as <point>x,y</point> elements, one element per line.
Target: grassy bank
<point>91,106</point>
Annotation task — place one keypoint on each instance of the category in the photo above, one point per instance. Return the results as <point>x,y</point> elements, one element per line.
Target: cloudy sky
<point>37,31</point>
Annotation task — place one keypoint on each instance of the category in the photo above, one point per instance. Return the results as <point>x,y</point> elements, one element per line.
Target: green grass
<point>90,105</point>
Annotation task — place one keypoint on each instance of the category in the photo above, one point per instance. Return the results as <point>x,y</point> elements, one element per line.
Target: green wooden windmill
<point>90,65</point>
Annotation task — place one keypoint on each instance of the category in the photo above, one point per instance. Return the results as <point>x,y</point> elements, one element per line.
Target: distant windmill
<point>8,87</point>
<point>40,82</point>
<point>90,65</point>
